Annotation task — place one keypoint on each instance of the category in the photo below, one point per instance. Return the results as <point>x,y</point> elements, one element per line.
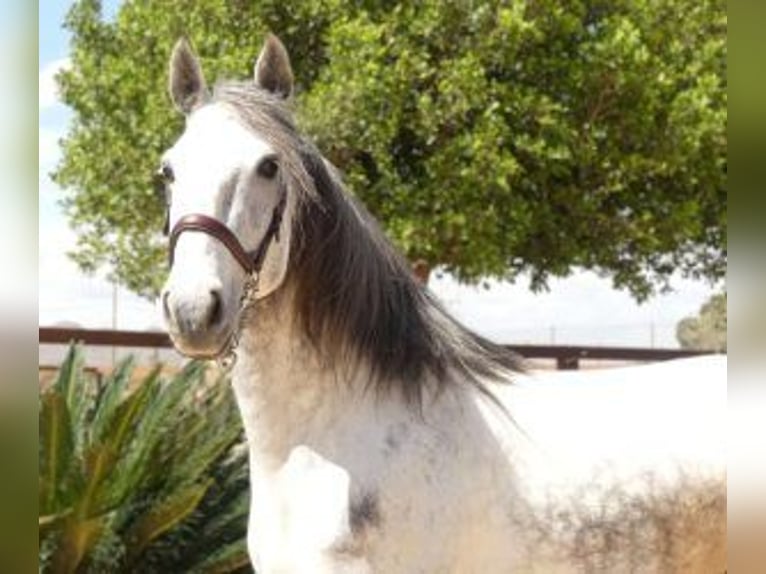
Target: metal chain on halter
<point>228,356</point>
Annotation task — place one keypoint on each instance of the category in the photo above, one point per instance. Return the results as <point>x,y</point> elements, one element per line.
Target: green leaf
<point>143,465</point>
<point>164,516</point>
<point>114,389</point>
<point>103,455</point>
<point>155,464</point>
<point>77,538</point>
<point>56,449</point>
<point>232,558</point>
<point>50,523</point>
<point>69,373</point>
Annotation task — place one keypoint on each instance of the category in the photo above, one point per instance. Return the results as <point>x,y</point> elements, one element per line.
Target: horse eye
<point>167,172</point>
<point>160,185</point>
<point>160,180</point>
<point>268,168</point>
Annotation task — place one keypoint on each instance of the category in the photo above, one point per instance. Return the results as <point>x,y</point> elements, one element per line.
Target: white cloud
<point>47,88</point>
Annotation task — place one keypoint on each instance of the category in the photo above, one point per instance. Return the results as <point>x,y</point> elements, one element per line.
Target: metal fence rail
<point>566,356</point>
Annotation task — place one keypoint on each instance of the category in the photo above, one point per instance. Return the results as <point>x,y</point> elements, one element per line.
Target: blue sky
<point>581,309</point>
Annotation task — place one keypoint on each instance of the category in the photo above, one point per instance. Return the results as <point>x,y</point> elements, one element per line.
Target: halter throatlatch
<point>250,261</point>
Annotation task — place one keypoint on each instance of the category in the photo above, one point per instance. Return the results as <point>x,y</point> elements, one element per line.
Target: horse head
<point>228,195</point>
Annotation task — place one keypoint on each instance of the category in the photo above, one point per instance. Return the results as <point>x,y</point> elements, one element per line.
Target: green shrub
<point>706,330</point>
<point>141,476</point>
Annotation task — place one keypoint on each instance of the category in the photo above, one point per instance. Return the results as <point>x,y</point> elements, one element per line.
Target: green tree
<point>708,329</point>
<point>141,475</point>
<point>490,138</point>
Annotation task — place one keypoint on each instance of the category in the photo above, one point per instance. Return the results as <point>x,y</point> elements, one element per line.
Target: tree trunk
<point>422,270</point>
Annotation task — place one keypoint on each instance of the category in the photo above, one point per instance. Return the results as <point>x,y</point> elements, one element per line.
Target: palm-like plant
<point>147,477</point>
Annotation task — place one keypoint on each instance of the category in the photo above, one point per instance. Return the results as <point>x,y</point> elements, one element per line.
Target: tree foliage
<point>708,329</point>
<point>147,476</point>
<point>490,138</point>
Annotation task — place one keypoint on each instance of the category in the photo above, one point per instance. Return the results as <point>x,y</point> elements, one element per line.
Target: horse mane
<point>355,296</point>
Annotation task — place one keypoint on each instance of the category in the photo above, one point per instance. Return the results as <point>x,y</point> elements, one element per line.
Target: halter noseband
<point>250,261</point>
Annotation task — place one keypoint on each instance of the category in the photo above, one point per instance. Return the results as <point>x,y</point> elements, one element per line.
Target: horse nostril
<point>216,308</point>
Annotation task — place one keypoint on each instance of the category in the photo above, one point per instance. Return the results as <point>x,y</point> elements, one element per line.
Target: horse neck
<point>286,396</point>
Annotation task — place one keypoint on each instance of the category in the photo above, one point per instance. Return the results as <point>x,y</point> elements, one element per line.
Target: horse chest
<point>313,515</point>
<point>361,498</point>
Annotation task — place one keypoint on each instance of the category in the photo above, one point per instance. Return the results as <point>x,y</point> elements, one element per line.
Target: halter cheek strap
<point>250,261</point>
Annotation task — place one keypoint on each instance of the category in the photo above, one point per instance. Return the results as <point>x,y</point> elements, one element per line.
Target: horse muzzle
<point>197,322</point>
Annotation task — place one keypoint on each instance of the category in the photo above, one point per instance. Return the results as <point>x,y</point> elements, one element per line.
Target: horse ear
<point>187,84</point>
<point>273,72</point>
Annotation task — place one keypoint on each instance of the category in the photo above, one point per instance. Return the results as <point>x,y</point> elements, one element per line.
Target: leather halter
<point>250,261</point>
